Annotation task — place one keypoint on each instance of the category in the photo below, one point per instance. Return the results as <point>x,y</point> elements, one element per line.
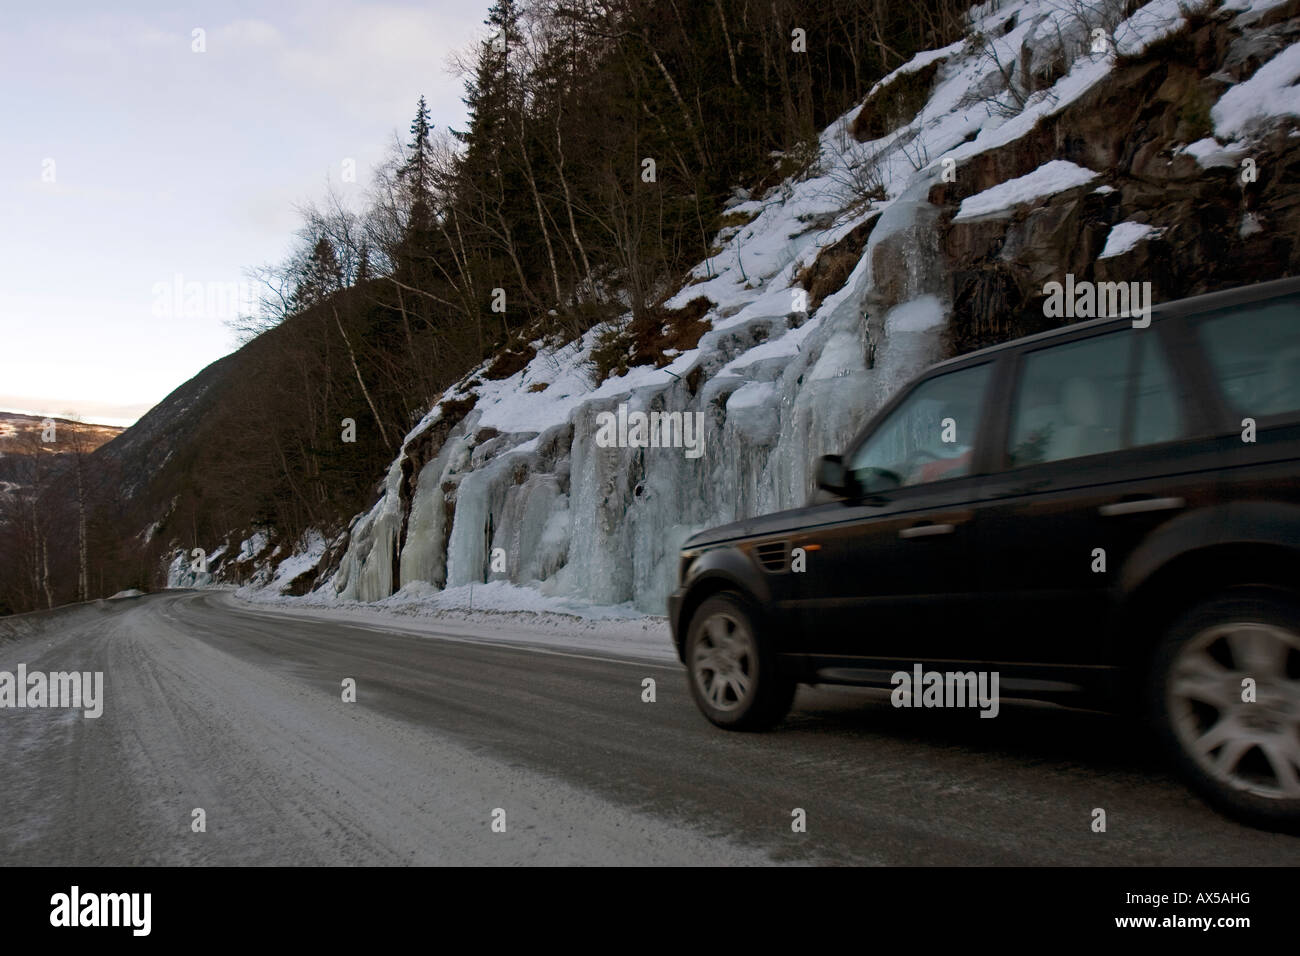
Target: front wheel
<point>734,676</point>
<point>1227,703</point>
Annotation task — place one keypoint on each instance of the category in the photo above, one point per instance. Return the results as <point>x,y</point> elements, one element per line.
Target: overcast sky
<point>132,166</point>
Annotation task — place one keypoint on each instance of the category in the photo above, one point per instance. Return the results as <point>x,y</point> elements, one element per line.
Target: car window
<point>929,437</point>
<point>1072,398</point>
<point>1070,402</point>
<point>1156,415</point>
<point>1254,353</point>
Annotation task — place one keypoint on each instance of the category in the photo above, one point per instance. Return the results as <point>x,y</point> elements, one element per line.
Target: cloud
<point>374,60</point>
<point>246,33</point>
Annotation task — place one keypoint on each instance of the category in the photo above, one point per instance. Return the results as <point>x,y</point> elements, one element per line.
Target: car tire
<point>1242,756</point>
<point>733,672</point>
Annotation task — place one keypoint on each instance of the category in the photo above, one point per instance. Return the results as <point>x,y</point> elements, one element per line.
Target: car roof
<point>1223,299</point>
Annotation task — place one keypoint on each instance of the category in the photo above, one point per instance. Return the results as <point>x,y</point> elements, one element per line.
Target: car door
<point>889,573</point>
<point>1104,442</point>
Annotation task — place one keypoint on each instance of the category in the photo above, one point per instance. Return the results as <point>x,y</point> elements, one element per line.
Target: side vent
<point>774,556</point>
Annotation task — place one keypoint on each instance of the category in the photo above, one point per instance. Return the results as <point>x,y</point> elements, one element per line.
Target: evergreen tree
<point>419,240</point>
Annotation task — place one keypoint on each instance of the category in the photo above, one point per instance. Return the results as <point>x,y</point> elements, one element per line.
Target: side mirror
<point>876,481</point>
<point>832,476</point>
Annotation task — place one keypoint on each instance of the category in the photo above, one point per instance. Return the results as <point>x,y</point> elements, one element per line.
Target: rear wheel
<point>1227,699</point>
<point>734,675</point>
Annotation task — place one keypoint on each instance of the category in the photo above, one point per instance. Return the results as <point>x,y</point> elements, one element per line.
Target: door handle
<point>1140,505</point>
<point>926,530</point>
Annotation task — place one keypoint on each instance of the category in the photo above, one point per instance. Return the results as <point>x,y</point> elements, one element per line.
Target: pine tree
<point>417,174</point>
<point>419,239</point>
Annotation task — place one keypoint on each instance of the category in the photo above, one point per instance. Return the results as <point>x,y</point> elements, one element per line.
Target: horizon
<point>74,414</point>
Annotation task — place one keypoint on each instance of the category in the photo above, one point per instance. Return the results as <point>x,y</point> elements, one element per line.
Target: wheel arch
<point>1154,603</point>
<point>713,573</point>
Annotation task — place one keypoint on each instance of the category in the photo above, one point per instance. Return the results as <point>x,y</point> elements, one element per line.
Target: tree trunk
<point>383,434</point>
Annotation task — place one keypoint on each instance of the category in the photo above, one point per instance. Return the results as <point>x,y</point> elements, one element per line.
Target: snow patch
<point>301,561</point>
<point>1124,236</point>
<point>927,312</point>
<point>1208,152</point>
<point>1153,22</point>
<point>1270,94</point>
<point>1048,179</point>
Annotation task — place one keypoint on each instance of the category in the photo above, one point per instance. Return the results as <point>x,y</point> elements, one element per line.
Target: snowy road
<point>211,705</point>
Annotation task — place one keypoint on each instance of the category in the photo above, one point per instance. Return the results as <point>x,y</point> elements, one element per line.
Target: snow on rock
<point>303,559</point>
<point>1271,93</point>
<point>1208,152</point>
<point>919,62</point>
<point>252,546</point>
<point>921,314</point>
<point>1124,236</point>
<point>995,133</point>
<point>1153,22</point>
<point>1251,10</point>
<point>1000,200</point>
<point>187,571</point>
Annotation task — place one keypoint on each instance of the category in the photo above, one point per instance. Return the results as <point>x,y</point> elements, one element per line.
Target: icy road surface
<point>212,705</point>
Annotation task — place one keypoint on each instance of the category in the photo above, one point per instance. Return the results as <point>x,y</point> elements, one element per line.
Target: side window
<point>1071,400</point>
<point>1156,416</point>
<point>1255,355</point>
<point>929,437</point>
<point>1073,397</point>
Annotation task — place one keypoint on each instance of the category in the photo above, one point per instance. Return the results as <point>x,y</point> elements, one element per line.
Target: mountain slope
<point>1101,141</point>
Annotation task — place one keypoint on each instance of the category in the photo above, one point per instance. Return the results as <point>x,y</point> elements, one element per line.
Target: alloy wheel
<point>724,662</point>
<point>1250,745</point>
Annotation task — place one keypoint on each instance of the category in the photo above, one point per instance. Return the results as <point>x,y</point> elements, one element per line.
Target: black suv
<point>1104,516</point>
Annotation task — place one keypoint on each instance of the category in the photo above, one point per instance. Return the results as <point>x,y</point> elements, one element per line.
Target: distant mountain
<point>138,455</point>
<point>21,436</point>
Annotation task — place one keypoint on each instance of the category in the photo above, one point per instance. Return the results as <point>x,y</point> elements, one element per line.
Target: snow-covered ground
<point>512,615</point>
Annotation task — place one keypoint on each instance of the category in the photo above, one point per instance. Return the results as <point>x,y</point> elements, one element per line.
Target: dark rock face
<point>1218,228</point>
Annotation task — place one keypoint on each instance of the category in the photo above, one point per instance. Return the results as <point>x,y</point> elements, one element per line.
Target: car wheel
<point>1240,750</point>
<point>734,675</point>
